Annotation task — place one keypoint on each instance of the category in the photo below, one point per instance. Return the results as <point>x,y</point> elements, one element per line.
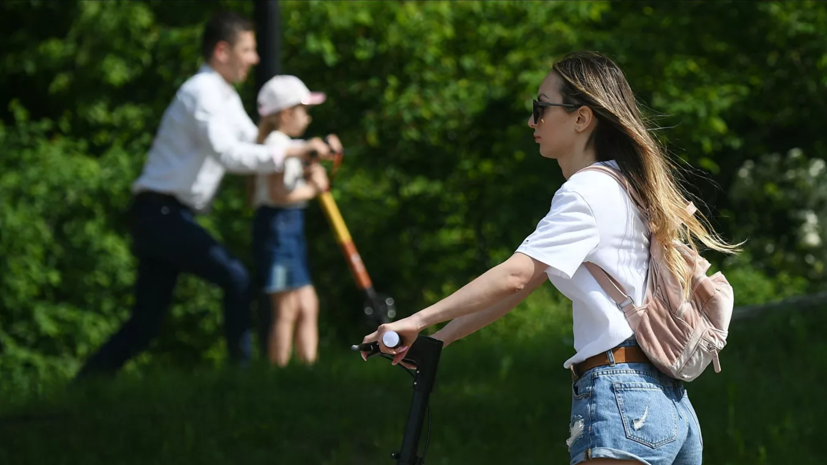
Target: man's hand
<point>318,146</point>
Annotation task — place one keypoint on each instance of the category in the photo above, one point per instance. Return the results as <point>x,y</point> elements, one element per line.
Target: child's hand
<point>317,176</point>
<point>334,143</point>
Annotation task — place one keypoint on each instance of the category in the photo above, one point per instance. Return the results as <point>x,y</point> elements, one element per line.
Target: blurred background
<point>441,181</point>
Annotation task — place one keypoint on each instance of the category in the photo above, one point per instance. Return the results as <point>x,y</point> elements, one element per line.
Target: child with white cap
<point>279,245</point>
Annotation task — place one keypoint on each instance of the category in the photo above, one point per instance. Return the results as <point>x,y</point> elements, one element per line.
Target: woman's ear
<point>584,120</point>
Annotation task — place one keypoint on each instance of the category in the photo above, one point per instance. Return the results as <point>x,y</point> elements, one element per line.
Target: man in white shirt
<point>205,132</point>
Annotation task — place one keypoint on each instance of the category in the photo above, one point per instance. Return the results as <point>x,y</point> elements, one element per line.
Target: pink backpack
<point>680,337</point>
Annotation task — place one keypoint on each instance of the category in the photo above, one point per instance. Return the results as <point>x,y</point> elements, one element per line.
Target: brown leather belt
<point>629,354</point>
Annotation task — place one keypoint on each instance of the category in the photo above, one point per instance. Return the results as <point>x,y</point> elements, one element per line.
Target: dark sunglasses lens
<point>535,107</point>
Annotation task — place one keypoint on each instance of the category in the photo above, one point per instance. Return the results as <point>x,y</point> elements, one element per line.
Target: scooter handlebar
<point>391,340</point>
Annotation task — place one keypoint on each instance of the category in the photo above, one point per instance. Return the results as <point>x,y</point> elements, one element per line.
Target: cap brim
<point>314,98</point>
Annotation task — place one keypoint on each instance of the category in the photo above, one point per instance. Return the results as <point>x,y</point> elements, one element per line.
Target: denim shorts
<point>280,249</point>
<point>632,411</point>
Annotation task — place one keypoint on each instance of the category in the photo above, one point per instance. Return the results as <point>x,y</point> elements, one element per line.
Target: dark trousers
<point>167,242</point>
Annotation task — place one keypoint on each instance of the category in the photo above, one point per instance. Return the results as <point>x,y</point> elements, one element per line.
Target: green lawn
<point>496,403</point>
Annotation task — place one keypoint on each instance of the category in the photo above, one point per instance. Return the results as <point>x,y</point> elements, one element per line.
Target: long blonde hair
<point>593,80</point>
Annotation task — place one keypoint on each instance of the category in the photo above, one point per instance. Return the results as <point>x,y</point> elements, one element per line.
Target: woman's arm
<point>497,284</point>
<point>468,324</point>
<point>504,281</point>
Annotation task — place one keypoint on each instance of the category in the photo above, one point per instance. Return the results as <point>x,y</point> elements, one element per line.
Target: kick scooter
<point>378,308</point>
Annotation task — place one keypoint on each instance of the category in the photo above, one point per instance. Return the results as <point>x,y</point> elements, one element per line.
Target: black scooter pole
<point>424,353</point>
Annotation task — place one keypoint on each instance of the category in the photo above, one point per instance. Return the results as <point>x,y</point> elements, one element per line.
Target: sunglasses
<point>537,108</point>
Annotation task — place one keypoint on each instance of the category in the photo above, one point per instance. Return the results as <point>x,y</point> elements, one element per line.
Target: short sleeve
<point>280,141</point>
<point>565,237</point>
<point>293,168</point>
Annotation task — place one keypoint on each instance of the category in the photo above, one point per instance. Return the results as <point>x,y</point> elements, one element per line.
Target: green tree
<point>431,99</point>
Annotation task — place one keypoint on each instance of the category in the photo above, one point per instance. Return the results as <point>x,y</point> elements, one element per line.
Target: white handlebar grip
<point>391,339</point>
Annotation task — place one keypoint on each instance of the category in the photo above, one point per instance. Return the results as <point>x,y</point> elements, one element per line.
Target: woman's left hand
<point>408,330</point>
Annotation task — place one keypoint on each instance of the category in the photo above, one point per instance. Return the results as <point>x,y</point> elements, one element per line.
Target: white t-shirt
<point>593,219</point>
<point>293,173</point>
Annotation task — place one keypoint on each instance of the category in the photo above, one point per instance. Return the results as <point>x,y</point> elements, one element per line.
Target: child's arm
<point>316,184</point>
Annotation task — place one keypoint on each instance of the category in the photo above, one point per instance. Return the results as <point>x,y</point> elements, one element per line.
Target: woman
<point>623,409</point>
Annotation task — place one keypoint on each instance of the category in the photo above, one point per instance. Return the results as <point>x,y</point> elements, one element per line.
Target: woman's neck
<point>576,162</point>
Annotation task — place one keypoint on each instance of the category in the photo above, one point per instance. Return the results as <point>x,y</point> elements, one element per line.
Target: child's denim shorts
<point>632,411</point>
<point>280,249</point>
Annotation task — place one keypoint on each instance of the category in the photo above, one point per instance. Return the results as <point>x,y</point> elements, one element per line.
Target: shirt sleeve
<point>221,142</point>
<point>249,127</point>
<point>565,237</point>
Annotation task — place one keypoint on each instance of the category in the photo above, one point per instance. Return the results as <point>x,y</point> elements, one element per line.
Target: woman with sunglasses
<point>624,411</point>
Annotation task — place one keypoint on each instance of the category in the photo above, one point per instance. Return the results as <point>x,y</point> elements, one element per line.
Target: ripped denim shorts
<point>632,411</point>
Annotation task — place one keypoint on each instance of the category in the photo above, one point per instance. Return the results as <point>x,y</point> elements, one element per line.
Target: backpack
<point>679,336</point>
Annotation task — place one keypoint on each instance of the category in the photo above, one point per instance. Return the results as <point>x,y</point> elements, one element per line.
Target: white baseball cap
<point>285,91</point>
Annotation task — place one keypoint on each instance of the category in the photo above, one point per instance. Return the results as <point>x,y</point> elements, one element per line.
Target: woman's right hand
<point>407,328</point>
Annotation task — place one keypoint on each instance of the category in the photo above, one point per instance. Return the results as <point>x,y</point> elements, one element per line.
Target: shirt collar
<point>609,163</point>
<point>226,87</point>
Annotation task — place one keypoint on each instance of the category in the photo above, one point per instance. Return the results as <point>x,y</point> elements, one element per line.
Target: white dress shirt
<point>204,133</point>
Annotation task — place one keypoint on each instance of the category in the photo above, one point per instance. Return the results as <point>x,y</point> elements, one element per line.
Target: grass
<point>496,402</point>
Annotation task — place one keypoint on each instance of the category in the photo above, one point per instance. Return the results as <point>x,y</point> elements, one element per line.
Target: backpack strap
<point>618,176</point>
<point>611,287</point>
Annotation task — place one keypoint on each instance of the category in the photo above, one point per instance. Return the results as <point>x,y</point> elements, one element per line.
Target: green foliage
<point>789,227</point>
<point>441,179</point>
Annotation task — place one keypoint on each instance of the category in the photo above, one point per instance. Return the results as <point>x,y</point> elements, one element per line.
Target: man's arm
<point>237,155</point>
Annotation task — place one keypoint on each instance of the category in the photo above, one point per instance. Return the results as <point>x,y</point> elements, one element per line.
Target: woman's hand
<point>408,330</point>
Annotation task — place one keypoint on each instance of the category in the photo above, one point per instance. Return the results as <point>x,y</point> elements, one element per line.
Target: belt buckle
<point>574,376</point>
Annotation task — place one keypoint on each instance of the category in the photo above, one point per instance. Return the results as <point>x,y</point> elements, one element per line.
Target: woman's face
<point>555,131</point>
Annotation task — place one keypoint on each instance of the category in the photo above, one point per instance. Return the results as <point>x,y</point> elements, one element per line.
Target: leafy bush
<point>441,180</point>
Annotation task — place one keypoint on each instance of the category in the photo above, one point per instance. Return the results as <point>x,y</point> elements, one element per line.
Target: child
<point>279,244</point>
